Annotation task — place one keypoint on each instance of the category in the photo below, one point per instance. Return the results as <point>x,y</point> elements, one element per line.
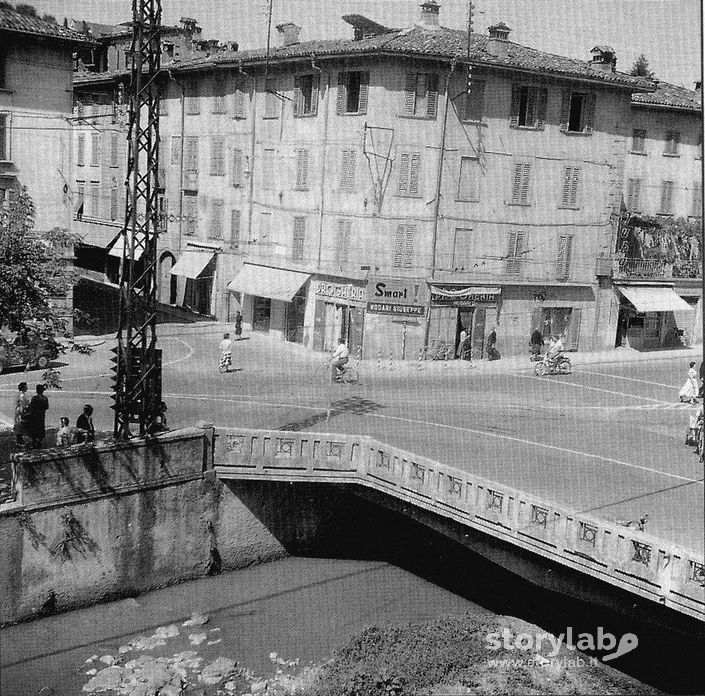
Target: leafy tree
<point>641,68</point>
<point>5,5</point>
<point>28,10</point>
<point>49,18</point>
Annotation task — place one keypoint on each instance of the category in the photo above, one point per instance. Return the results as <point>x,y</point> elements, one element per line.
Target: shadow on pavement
<point>353,404</point>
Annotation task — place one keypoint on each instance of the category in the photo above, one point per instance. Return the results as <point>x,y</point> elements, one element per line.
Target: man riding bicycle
<point>555,350</point>
<point>339,358</point>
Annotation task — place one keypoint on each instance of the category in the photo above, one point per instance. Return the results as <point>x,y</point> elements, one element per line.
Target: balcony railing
<point>658,268</point>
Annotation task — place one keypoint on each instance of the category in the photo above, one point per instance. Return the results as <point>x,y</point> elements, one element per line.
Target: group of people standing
<point>465,345</point>
<point>30,421</point>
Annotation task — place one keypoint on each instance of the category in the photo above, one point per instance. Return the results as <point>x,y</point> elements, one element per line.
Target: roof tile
<point>668,95</point>
<point>17,23</point>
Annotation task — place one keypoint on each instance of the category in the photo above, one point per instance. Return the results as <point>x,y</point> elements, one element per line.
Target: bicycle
<point>438,351</point>
<point>324,373</point>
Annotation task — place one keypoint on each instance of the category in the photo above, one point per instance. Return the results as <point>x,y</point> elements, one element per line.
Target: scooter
<point>561,366</point>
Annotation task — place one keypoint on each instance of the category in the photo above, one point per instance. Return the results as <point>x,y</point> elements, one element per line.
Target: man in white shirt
<point>555,349</point>
<point>339,358</point>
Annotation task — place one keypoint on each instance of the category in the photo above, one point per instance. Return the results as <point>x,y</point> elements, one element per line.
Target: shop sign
<point>397,291</point>
<point>395,309</point>
<point>459,297</point>
<point>339,291</point>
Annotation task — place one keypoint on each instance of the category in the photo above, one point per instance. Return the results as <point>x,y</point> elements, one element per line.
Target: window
<point>272,103</point>
<point>193,104</point>
<point>352,94</point>
<point>5,137</point>
<point>114,145</point>
<point>215,229</point>
<point>577,112</point>
<point>301,170</point>
<point>190,213</point>
<point>235,229</point>
<point>114,201</point>
<point>219,94</point>
<point>565,250</point>
<point>93,202</point>
<point>218,156</point>
<point>633,191</point>
<point>238,174</point>
<point>697,210</point>
<point>175,150</point>
<point>571,182</point>
<point>403,252</point>
<point>520,183</point>
<point>421,95</point>
<point>409,166</point>
<point>666,198</point>
<point>81,152</point>
<point>268,170</point>
<point>297,244</point>
<point>528,108</point>
<point>474,102</point>
<point>191,162</point>
<point>515,253</point>
<point>3,70</point>
<point>672,143</point>
<point>80,199</point>
<point>95,149</point>
<point>347,170</point>
<point>343,240</point>
<point>305,95</point>
<point>462,249</point>
<point>468,179</point>
<point>239,103</point>
<point>639,141</point>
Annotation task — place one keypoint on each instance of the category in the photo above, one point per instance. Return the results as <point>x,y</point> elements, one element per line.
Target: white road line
<point>629,379</point>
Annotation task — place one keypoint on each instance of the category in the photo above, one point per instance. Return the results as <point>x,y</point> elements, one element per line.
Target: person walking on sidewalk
<point>238,326</point>
<point>38,407</point>
<point>226,353</point>
<point>21,413</point>
<point>492,352</point>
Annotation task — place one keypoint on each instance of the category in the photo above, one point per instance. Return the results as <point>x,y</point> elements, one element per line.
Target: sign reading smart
<point>398,296</point>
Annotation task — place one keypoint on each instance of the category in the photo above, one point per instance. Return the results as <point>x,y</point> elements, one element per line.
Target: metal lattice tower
<point>137,384</point>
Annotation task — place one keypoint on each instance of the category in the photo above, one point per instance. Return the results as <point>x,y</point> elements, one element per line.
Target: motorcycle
<point>560,366</point>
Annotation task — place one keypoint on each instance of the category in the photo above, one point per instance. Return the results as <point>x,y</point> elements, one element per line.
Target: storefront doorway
<point>261,313</point>
<point>559,321</point>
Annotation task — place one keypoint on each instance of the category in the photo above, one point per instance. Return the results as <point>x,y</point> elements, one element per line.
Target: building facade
<point>357,188</point>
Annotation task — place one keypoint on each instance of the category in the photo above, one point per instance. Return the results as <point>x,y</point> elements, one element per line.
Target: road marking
<point>629,379</point>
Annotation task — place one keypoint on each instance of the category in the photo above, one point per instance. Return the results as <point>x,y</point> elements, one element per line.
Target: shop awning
<point>654,299</point>
<point>448,291</point>
<point>263,281</point>
<point>118,244</point>
<point>192,263</point>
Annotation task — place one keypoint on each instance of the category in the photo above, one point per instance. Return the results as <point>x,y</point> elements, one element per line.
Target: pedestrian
<point>65,435</point>
<point>340,357</point>
<point>690,390</point>
<point>36,424</point>
<point>238,326</point>
<point>536,343</point>
<point>701,393</point>
<point>226,353</point>
<point>84,423</point>
<point>492,352</point>
<point>461,342</point>
<point>21,413</point>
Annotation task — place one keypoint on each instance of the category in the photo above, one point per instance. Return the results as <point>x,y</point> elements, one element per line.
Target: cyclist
<point>339,358</point>
<point>555,350</point>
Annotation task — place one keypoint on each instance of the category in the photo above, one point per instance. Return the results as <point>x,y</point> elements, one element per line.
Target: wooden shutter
<point>113,149</point>
<point>666,195</point>
<point>697,199</point>
<point>302,169</point>
<point>531,107</point>
<point>541,108</point>
<point>520,184</point>
<point>235,229</point>
<point>409,235</point>
<point>81,154</point>
<point>95,149</point>
<point>572,331</point>
<point>315,82</point>
<point>633,191</point>
<point>216,156</point>
<point>342,94</point>
<point>511,252</point>
<point>565,110</point>
<point>589,116</point>
<point>431,95</point>
<point>526,171</point>
<point>409,94</point>
<point>239,103</point>
<point>216,226</point>
<point>516,183</point>
<point>298,97</point>
<point>398,247</point>
<point>565,198</point>
<point>414,171</point>
<point>347,170</point>
<point>343,246</point>
<point>565,251</point>
<point>237,168</point>
<point>574,183</point>
<point>403,173</point>
<point>297,247</point>
<point>364,92</point>
<point>113,202</point>
<point>516,101</point>
<point>175,150</point>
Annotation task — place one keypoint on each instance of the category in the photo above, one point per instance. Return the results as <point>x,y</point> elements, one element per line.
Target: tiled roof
<point>16,23</point>
<point>671,96</point>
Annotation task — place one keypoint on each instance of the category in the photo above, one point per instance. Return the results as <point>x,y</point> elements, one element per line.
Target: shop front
<point>454,309</point>
<point>195,272</point>
<point>652,316</point>
<point>339,311</point>
<point>272,299</point>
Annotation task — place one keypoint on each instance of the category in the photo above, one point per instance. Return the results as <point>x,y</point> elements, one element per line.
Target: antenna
<point>269,41</point>
<point>470,9</point>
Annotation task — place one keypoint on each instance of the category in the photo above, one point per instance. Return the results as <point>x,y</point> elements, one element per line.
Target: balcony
<point>657,268</point>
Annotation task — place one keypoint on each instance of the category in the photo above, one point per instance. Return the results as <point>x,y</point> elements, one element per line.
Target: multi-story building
<point>357,187</point>
<point>36,73</point>
<point>658,274</point>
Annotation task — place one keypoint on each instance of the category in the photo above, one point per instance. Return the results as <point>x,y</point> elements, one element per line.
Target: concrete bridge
<point>570,552</point>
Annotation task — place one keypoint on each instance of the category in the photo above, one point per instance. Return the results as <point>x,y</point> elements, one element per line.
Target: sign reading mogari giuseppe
<point>402,296</point>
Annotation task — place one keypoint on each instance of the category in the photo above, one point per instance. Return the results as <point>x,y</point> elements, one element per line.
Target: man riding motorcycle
<point>555,350</point>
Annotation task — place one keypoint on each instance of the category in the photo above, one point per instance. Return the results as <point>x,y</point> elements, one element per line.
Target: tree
<point>49,18</point>
<point>28,10</point>
<point>641,68</point>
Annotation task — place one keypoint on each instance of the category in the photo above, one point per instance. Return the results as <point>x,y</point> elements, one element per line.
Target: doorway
<point>261,314</point>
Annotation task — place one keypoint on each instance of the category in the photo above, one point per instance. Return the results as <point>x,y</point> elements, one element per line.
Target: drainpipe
<point>439,181</point>
<point>323,163</point>
<point>181,156</point>
<point>251,184</point>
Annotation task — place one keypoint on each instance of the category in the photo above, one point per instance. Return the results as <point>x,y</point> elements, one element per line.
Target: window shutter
<point>666,194</point>
<point>518,256</point>
<point>314,94</point>
<point>398,247</point>
<point>524,191</point>
<point>347,170</point>
<point>414,173</point>
<point>113,149</point>
<point>297,247</point>
<point>239,104</point>
<point>511,253</point>
<point>404,173</point>
<point>516,184</point>
<point>237,168</point>
<point>298,97</point>
<point>364,92</point>
<point>531,104</point>
<point>697,199</point>
<point>343,246</point>
<point>516,101</point>
<point>80,157</point>
<point>574,182</point>
<point>235,229</point>
<point>302,169</point>
<point>113,202</point>
<point>589,106</point>
<point>409,245</point>
<point>565,110</point>
<point>175,150</point>
<point>409,94</point>
<point>431,95</point>
<point>341,97</point>
<point>560,261</point>
<point>95,149</point>
<point>566,187</point>
<point>541,109</point>
<point>568,254</point>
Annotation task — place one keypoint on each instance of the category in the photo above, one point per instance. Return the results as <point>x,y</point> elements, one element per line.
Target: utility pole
<point>137,386</point>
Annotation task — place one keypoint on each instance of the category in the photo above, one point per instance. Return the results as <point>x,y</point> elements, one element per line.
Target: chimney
<point>429,14</point>
<point>189,25</point>
<point>288,33</point>
<point>499,37</point>
<point>603,59</point>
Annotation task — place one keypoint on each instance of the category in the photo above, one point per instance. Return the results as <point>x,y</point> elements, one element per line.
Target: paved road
<point>606,439</point>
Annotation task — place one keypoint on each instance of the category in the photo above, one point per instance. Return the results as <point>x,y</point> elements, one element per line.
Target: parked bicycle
<point>438,350</point>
